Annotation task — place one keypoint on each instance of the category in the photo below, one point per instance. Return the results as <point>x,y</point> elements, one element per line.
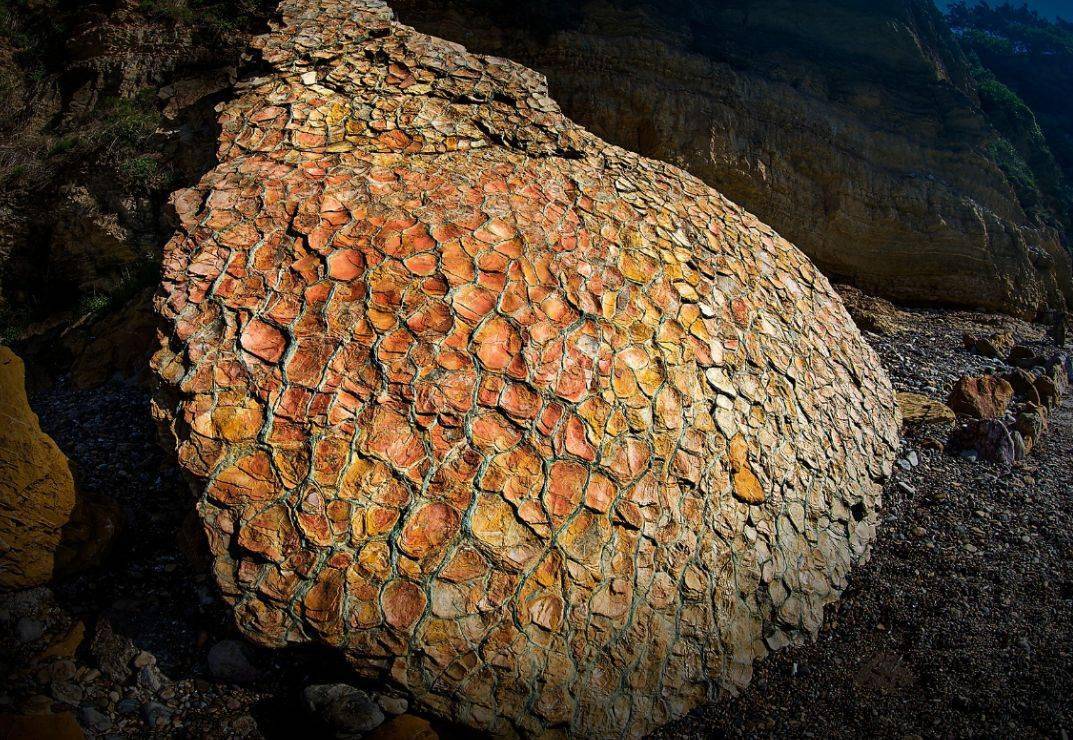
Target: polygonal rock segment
<point>550,436</point>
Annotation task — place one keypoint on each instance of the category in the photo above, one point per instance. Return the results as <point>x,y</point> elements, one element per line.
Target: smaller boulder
<point>1020,446</point>
<point>1058,329</point>
<point>917,408</point>
<point>392,703</point>
<point>985,397</point>
<point>989,438</point>
<point>870,313</point>
<point>1022,356</point>
<point>94,719</point>
<point>113,653</point>
<point>1032,425</point>
<point>1057,372</point>
<point>157,715</point>
<point>997,345</point>
<point>232,661</point>
<point>1048,391</point>
<point>348,712</point>
<point>1023,383</point>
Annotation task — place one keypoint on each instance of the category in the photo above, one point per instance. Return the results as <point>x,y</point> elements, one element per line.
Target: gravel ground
<point>959,625</point>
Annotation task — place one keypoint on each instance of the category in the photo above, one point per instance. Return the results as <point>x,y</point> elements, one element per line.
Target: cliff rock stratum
<point>853,127</point>
<point>552,436</point>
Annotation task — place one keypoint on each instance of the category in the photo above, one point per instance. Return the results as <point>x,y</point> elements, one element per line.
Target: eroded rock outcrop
<point>547,434</point>
<point>851,126</point>
<point>37,492</point>
<point>48,527</point>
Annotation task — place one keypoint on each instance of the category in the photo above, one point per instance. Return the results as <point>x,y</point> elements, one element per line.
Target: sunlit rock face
<point>37,491</point>
<point>553,437</point>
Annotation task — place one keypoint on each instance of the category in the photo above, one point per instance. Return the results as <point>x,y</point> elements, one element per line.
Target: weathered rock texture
<point>547,434</point>
<point>37,492</point>
<point>852,126</point>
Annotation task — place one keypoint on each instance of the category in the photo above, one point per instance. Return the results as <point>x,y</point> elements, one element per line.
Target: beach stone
<point>348,712</point>
<point>1057,368</point>
<point>990,439</point>
<point>997,345</point>
<point>541,433</point>
<point>1023,383</point>
<point>94,719</point>
<point>984,397</point>
<point>917,408</point>
<point>113,653</point>
<point>1032,424</point>
<point>870,313</point>
<point>1024,357</point>
<point>232,661</point>
<point>157,715</point>
<point>1048,391</point>
<point>392,703</point>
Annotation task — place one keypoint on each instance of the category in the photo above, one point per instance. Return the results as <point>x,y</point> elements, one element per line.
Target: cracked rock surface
<point>551,436</point>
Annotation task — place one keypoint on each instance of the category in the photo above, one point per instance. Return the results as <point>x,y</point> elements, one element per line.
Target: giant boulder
<point>544,433</point>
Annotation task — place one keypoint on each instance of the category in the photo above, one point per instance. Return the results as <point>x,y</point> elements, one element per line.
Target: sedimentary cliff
<point>852,127</point>
<point>549,435</point>
<point>108,108</point>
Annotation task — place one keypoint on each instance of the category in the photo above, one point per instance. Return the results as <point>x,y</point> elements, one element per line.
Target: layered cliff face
<point>108,108</point>
<point>851,126</point>
<point>551,436</point>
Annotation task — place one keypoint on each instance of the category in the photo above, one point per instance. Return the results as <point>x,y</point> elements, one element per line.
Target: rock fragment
<point>870,313</point>
<point>984,397</point>
<point>917,408</point>
<point>347,711</point>
<point>232,661</point>
<point>990,439</point>
<point>997,345</point>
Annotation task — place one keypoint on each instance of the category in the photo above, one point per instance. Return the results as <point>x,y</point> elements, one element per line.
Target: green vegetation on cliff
<point>1023,65</point>
<point>107,109</point>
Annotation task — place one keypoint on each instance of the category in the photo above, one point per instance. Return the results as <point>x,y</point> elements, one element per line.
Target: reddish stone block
<point>428,529</point>
<point>263,340</point>
<point>403,603</point>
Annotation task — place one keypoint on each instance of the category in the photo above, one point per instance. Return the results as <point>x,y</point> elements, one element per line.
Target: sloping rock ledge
<point>553,437</point>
